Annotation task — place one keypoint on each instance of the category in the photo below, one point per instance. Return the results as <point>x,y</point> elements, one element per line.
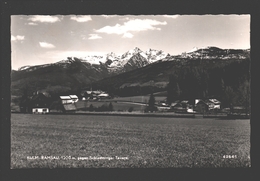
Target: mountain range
<point>111,71</point>
<point>132,59</point>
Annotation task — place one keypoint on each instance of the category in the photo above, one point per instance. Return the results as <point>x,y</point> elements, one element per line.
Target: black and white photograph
<point>130,91</point>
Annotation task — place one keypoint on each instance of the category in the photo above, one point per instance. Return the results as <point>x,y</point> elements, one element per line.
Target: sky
<point>44,39</point>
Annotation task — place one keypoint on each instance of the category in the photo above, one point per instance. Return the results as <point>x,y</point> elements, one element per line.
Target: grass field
<point>121,103</point>
<point>143,99</point>
<point>76,141</point>
<point>117,106</point>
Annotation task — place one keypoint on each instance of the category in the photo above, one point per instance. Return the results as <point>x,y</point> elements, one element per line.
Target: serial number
<point>229,156</point>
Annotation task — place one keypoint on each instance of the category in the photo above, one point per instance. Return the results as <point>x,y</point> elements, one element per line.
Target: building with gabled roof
<point>201,106</point>
<point>68,103</point>
<point>74,98</point>
<point>216,103</point>
<point>206,105</point>
<point>66,100</point>
<point>39,104</point>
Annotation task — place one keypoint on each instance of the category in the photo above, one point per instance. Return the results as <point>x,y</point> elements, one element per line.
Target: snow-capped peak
<point>155,55</point>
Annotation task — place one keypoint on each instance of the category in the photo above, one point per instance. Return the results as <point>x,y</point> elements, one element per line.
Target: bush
<point>91,108</point>
<point>130,109</point>
<point>150,109</point>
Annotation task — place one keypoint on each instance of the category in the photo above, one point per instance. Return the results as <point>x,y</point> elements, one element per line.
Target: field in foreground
<point>76,141</point>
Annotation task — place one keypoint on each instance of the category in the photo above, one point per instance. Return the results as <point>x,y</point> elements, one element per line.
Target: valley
<point>201,73</point>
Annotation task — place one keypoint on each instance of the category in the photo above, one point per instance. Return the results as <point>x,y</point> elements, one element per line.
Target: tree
<point>130,109</point>
<point>244,95</point>
<point>56,105</point>
<point>91,108</point>
<point>110,106</point>
<point>24,101</point>
<point>173,90</point>
<point>229,97</point>
<point>151,104</point>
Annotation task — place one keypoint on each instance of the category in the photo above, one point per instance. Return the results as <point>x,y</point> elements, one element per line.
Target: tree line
<point>230,84</point>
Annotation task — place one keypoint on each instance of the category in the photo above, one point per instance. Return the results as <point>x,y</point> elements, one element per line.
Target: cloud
<point>171,16</point>
<point>44,19</point>
<point>108,16</point>
<point>17,38</point>
<point>134,25</point>
<point>94,36</point>
<point>32,23</point>
<point>81,19</point>
<point>46,45</point>
<point>128,35</point>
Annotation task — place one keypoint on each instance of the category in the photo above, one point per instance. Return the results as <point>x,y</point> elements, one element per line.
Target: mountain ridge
<point>111,60</point>
<point>74,73</point>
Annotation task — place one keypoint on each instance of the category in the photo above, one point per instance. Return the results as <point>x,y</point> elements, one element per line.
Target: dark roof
<point>39,96</point>
<point>39,100</point>
<point>201,102</point>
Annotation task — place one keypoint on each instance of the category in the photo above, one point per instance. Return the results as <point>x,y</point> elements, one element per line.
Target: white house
<point>216,103</point>
<point>66,100</point>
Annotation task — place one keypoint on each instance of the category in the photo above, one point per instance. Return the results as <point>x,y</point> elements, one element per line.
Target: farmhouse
<point>39,104</point>
<point>206,105</point>
<point>216,103</point>
<point>66,100</point>
<point>201,106</point>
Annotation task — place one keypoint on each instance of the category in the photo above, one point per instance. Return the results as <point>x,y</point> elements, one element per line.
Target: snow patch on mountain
<point>155,55</point>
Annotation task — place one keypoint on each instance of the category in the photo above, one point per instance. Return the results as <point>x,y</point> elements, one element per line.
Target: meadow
<point>143,99</point>
<point>136,103</point>
<point>84,141</point>
<point>117,106</point>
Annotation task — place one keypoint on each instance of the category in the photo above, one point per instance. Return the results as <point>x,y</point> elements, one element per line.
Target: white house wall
<point>40,110</point>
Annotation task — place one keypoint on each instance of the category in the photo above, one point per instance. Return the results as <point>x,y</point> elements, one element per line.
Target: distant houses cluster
<point>40,103</point>
<point>95,95</point>
<point>186,106</point>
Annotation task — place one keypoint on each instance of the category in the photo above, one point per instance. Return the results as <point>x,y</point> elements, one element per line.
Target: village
<point>101,101</point>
